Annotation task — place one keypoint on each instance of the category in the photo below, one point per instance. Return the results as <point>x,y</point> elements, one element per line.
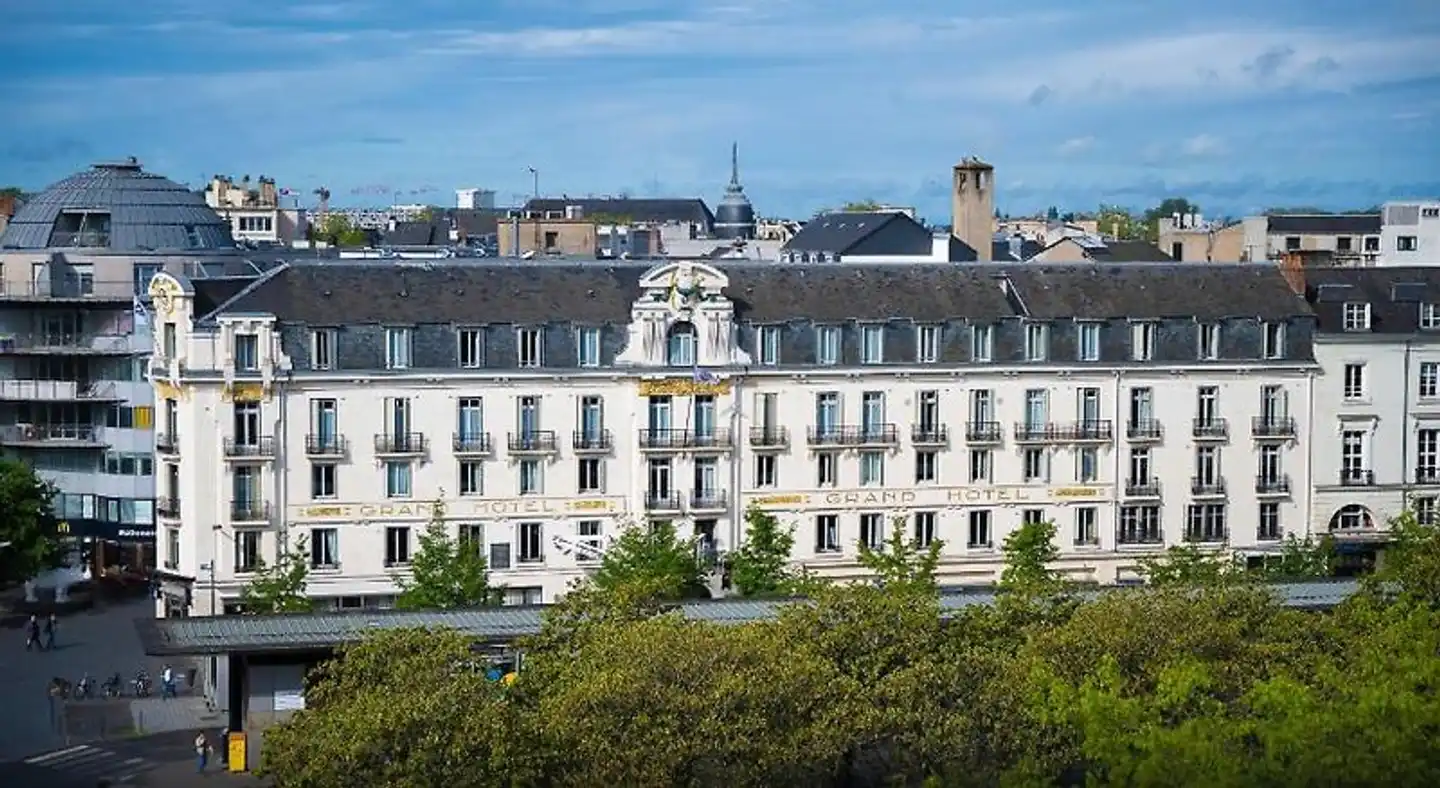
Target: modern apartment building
<point>1377,406</point>
<point>74,399</point>
<point>546,404</point>
<point>1410,234</point>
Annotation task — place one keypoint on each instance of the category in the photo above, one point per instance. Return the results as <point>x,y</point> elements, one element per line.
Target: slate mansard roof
<point>597,293</point>
<point>142,212</point>
<point>1396,297</point>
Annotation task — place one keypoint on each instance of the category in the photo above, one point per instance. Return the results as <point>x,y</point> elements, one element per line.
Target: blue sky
<point>1237,105</point>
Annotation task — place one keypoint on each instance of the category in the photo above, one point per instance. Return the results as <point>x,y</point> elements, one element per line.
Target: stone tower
<point>972,206</point>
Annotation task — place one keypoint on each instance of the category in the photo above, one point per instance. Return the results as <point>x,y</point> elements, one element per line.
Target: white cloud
<point>1202,145</point>
<point>1077,145</point>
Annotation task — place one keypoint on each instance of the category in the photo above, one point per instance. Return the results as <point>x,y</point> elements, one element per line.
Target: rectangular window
<point>1087,526</point>
<point>765,471</point>
<point>927,466</point>
<point>1407,243</point>
<point>397,480</point>
<point>1356,317</point>
<point>982,343</point>
<point>1274,340</point>
<point>1087,464</point>
<point>1268,529</point>
<point>590,535</point>
<point>1208,342</point>
<point>1087,342</point>
<point>1429,379</point>
<point>1142,341</point>
<point>529,347</point>
<point>1205,522</point>
<point>1139,525</point>
<point>927,344</point>
<point>1429,317</point>
<point>872,468</point>
<point>247,551</point>
<point>924,529</point>
<point>872,531</point>
<point>1354,459</point>
<point>322,481</point>
<point>827,533</point>
<point>532,477</point>
<point>980,463</point>
<point>172,548</point>
<point>1354,382</point>
<point>472,478</point>
<point>979,535</point>
<point>1036,467</point>
<point>397,348</point>
<point>767,346</point>
<point>1032,516</point>
<point>168,342</point>
<point>827,345</point>
<point>1037,341</point>
<point>247,353</point>
<point>532,542</point>
<point>322,348</point>
<point>397,545</point>
<point>470,350</point>
<point>589,476</point>
<point>827,470</point>
<point>872,344</point>
<point>324,548</point>
<point>1427,456</point>
<point>587,347</point>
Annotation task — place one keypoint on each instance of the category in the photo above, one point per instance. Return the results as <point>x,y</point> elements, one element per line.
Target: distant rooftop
<point>117,207</point>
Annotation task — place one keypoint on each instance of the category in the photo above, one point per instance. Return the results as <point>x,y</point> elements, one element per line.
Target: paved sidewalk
<point>161,761</point>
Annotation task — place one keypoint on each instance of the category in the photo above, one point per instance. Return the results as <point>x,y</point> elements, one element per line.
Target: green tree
<point>1190,565</point>
<point>29,542</point>
<point>654,559</point>
<point>1029,552</point>
<point>280,587</point>
<point>1301,559</point>
<point>1411,563</point>
<point>1117,222</point>
<point>337,230</point>
<point>445,572</point>
<point>901,563</point>
<point>14,192</point>
<point>761,567</point>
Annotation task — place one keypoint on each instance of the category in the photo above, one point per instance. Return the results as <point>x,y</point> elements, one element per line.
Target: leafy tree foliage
<point>29,543</point>
<point>337,230</point>
<point>900,562</point>
<point>1029,552</point>
<point>654,558</point>
<point>280,587</point>
<point>761,567</point>
<point>445,572</point>
<point>1207,682</point>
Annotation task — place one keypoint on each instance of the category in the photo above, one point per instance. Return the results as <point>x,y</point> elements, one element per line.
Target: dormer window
<point>872,344</point>
<point>767,345</point>
<point>397,348</point>
<point>1429,317</point>
<point>247,353</point>
<point>1356,317</point>
<point>680,345</point>
<point>1208,344</point>
<point>1037,342</point>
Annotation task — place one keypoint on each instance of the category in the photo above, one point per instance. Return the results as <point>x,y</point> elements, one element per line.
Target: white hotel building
<point>1136,406</point>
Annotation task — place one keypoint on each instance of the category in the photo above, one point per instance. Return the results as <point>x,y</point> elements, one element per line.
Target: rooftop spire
<point>735,167</point>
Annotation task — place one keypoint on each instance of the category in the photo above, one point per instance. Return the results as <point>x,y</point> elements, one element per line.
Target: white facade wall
<point>1410,234</point>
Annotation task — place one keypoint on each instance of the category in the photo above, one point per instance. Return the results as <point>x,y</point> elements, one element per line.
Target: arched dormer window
<point>680,345</point>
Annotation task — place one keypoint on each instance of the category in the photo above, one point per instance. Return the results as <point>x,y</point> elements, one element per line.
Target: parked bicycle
<point>142,684</point>
<point>84,688</point>
<point>113,687</point>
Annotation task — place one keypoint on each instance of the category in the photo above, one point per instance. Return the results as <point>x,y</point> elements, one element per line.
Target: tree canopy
<point>280,587</point>
<point>336,230</point>
<point>29,542</point>
<point>1199,681</point>
<point>445,572</point>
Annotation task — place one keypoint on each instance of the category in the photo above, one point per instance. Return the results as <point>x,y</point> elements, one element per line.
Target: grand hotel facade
<point>546,405</point>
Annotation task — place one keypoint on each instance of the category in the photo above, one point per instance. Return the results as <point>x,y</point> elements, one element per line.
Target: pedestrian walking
<point>51,624</point>
<point>167,683</point>
<point>32,633</point>
<point>202,751</point>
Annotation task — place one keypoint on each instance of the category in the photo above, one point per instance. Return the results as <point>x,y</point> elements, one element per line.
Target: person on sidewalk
<point>167,683</point>
<point>32,633</point>
<point>50,625</point>
<point>202,752</point>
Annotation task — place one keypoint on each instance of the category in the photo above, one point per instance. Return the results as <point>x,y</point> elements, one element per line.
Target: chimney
<point>1292,267</point>
<point>972,206</point>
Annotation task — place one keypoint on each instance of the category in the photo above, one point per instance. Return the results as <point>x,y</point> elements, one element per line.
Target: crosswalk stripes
<point>85,760</point>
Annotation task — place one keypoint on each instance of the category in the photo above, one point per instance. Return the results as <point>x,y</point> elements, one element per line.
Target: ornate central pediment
<point>683,318</point>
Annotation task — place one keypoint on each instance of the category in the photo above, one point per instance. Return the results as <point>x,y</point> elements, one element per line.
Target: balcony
<point>984,432</point>
<point>167,443</point>
<point>1207,487</point>
<point>849,436</point>
<point>403,444</point>
<point>259,448</point>
<point>1210,429</point>
<point>249,511</point>
<point>709,501</point>
<point>1038,432</point>
<point>471,444</point>
<point>53,436</point>
<point>1354,478</point>
<point>663,502</point>
<point>1087,431</point>
<point>769,438</point>
<point>72,288</point>
<point>1143,430</point>
<point>592,442</point>
<point>65,344</point>
<point>1273,428</point>
<point>1272,484</point>
<point>933,435</point>
<point>717,439</point>
<point>326,445</point>
<point>1142,488</point>
<point>168,507</point>
<point>1427,476</point>
<point>1206,535</point>
<point>533,442</point>
<point>57,391</point>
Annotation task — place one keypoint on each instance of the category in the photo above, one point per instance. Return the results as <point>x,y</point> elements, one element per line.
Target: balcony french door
<point>1037,409</point>
<point>872,412</point>
<point>592,418</point>
<point>529,415</point>
<point>247,423</point>
<point>470,419</point>
<point>827,413</point>
<point>399,417</point>
<point>704,417</point>
<point>324,416</point>
<point>1088,405</point>
<point>660,414</point>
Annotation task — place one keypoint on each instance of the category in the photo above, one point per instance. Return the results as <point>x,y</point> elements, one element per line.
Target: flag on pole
<point>705,376</point>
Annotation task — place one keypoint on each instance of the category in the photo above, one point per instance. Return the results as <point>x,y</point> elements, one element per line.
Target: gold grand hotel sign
<point>933,497</point>
<point>464,508</point>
